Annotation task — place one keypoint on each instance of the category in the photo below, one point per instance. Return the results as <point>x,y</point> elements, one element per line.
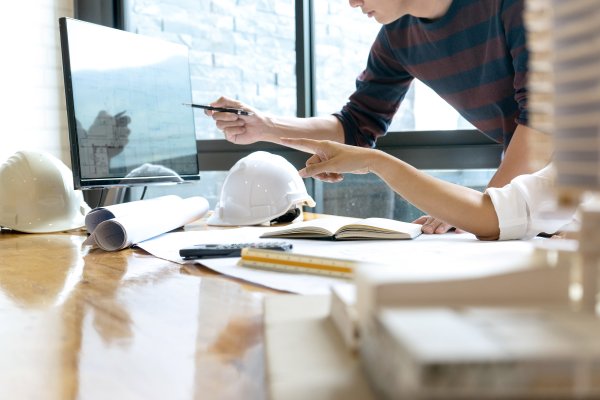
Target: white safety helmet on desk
<point>260,188</point>
<point>37,195</point>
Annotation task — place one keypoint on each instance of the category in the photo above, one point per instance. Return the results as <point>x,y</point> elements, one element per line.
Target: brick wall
<point>246,49</point>
<point>343,37</point>
<point>32,104</point>
<point>238,48</point>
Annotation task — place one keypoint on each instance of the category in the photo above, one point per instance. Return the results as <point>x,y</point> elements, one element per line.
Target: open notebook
<point>345,228</point>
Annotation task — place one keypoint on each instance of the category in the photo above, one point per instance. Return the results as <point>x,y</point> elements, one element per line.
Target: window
<point>231,54</point>
<point>32,85</point>
<point>249,51</point>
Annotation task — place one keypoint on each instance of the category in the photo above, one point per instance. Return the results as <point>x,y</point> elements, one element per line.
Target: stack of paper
<point>540,78</point>
<point>564,43</point>
<point>305,357</point>
<point>538,17</point>
<point>510,334</point>
<point>482,353</point>
<point>564,88</point>
<point>577,84</point>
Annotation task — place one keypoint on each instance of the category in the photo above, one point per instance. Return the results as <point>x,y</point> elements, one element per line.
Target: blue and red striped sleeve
<point>474,57</point>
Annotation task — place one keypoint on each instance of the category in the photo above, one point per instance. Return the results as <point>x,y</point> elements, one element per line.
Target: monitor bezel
<point>106,182</point>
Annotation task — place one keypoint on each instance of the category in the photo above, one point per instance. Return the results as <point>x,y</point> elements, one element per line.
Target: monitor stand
<point>105,197</point>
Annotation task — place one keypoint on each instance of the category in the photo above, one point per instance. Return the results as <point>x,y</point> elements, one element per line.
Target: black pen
<point>220,109</point>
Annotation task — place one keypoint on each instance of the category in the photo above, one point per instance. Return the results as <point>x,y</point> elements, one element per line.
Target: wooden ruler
<point>292,262</point>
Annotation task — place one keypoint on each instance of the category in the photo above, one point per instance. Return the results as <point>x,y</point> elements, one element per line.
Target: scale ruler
<point>292,262</point>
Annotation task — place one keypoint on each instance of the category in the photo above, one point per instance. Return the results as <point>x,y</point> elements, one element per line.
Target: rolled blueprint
<point>123,225</point>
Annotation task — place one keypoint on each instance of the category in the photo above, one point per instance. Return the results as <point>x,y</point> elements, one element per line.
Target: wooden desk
<point>80,323</point>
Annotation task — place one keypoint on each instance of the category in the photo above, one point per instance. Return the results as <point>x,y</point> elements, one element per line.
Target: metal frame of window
<point>103,12</point>
<point>457,149</point>
<point>461,149</point>
<point>305,61</point>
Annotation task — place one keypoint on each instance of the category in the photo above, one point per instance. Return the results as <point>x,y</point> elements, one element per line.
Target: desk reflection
<point>77,323</point>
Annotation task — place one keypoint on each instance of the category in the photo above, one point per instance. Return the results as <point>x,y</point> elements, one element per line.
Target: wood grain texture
<point>77,323</point>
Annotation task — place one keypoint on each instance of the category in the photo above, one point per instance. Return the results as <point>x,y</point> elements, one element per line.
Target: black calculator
<point>228,250</point>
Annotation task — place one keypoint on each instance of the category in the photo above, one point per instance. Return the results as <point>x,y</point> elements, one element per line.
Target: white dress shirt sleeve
<point>522,206</point>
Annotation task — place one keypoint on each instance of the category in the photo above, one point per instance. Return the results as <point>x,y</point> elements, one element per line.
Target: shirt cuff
<point>511,210</point>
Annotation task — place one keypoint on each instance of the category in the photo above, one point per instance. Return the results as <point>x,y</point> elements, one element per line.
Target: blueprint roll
<point>116,228</point>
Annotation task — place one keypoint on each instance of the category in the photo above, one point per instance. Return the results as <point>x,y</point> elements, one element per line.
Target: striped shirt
<point>474,57</point>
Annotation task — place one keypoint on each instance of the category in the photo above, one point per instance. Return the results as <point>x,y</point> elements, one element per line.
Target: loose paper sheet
<point>426,257</point>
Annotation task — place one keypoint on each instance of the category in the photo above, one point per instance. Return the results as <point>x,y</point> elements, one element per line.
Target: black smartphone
<point>228,250</point>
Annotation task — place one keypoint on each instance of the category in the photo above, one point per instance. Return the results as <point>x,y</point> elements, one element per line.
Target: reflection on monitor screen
<point>125,95</point>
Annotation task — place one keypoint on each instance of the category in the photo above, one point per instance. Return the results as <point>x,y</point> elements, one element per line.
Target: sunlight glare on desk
<point>80,323</point>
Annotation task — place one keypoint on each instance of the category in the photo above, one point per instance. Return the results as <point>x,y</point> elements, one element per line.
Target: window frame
<point>454,149</point>
<point>104,12</point>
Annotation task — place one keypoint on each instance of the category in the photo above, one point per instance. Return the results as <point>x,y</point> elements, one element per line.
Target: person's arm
<point>462,207</point>
<point>517,159</point>
<point>365,117</point>
<point>241,129</point>
<point>516,162</point>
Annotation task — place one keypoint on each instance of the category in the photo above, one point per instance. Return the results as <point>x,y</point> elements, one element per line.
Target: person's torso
<point>464,57</point>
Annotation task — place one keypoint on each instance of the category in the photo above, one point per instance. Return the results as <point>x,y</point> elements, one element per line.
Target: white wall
<point>32,105</point>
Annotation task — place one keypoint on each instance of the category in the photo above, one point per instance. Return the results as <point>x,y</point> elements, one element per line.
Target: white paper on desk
<point>426,257</point>
<point>167,247</point>
<point>147,219</point>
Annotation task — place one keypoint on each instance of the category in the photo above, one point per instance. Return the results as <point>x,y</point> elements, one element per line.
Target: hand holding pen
<point>243,127</point>
<point>237,111</point>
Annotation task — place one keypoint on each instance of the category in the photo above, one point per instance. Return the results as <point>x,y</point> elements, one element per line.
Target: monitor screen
<point>124,94</point>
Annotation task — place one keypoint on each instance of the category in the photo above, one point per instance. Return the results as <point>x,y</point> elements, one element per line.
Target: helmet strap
<point>289,216</point>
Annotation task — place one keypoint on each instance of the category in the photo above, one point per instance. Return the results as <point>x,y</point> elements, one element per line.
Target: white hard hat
<point>37,195</point>
<point>259,188</point>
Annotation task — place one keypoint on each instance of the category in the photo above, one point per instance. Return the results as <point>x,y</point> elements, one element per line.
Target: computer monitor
<point>124,95</point>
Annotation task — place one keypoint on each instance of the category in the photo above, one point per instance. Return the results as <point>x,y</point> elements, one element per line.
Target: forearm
<point>319,128</point>
<point>460,206</point>
<point>517,159</point>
